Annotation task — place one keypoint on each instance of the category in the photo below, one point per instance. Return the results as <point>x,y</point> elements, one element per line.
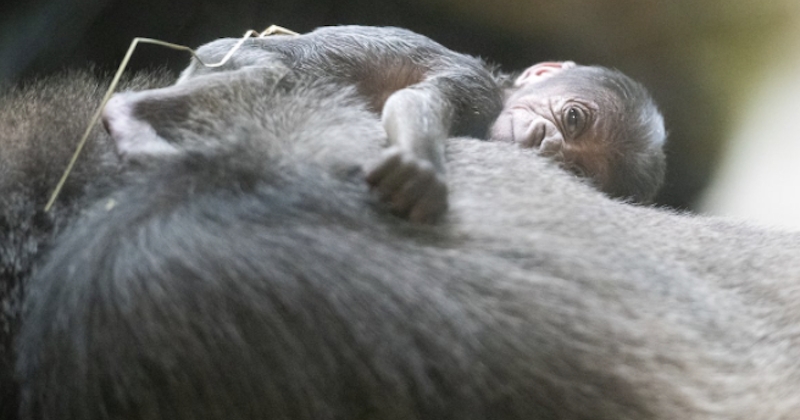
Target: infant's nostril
<point>524,129</point>
<point>530,134</point>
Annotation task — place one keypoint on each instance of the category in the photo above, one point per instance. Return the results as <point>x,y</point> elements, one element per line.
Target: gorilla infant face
<point>561,110</point>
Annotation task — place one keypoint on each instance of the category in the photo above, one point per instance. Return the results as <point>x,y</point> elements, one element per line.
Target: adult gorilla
<point>255,276</point>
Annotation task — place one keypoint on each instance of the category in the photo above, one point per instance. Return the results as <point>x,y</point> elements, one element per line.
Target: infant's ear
<point>541,71</point>
<point>133,118</point>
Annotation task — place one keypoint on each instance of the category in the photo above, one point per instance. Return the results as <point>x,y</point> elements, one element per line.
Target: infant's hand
<point>409,185</point>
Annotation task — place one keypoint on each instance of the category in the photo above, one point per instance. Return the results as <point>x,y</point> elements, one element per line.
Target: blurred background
<point>725,73</point>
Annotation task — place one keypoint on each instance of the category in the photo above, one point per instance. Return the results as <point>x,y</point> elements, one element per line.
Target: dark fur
<point>41,125</point>
<point>637,162</point>
<point>260,279</point>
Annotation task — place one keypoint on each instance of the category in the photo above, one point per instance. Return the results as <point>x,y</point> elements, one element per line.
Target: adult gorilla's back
<point>257,282</point>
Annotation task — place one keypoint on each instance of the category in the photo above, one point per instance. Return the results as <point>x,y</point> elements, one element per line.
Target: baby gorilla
<point>596,122</point>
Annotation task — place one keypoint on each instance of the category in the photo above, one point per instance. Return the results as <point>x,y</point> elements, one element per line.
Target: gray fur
<point>42,122</point>
<point>259,278</point>
<point>426,93</point>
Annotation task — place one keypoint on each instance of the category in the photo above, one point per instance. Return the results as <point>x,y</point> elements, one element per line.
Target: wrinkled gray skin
<point>258,277</point>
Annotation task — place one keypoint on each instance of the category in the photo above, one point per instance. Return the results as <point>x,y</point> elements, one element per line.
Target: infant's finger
<point>431,206</point>
<point>390,160</point>
<point>413,190</point>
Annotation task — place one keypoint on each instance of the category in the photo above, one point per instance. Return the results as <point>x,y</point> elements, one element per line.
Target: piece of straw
<point>272,30</point>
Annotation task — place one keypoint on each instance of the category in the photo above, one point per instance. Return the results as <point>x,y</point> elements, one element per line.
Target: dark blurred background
<point>704,60</point>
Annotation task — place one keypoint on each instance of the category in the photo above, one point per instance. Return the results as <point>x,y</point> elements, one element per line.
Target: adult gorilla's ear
<point>183,117</point>
<point>142,123</point>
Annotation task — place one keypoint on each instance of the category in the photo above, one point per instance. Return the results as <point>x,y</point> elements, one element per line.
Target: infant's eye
<point>574,120</point>
<point>572,117</point>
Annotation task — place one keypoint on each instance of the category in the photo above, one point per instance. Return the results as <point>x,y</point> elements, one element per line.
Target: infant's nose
<point>527,132</point>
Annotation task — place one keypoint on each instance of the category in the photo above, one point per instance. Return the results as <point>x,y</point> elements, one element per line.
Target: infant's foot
<point>410,186</point>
